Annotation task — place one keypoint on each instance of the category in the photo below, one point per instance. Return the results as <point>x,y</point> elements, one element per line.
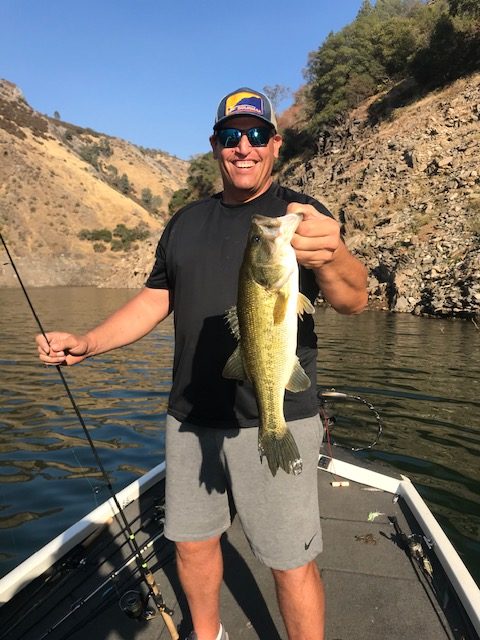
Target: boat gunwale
<point>33,567</point>
<point>455,570</point>
<point>454,567</point>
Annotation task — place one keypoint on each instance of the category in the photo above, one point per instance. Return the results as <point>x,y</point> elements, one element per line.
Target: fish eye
<point>255,239</point>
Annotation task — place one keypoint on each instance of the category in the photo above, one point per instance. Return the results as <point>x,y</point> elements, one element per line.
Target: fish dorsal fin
<point>280,308</point>
<point>234,368</point>
<point>232,321</point>
<point>299,381</point>
<point>304,305</point>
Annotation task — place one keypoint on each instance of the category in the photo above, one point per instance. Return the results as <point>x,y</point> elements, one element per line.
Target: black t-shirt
<point>198,259</point>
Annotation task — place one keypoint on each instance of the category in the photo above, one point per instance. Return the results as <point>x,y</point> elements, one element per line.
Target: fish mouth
<point>284,226</point>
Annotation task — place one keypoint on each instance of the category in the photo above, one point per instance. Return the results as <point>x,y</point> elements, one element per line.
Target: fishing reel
<point>132,604</point>
<point>135,606</point>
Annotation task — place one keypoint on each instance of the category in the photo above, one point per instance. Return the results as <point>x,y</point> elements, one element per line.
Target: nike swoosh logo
<point>307,544</point>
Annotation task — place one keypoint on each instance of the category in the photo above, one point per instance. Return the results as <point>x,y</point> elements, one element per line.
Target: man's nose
<point>244,145</point>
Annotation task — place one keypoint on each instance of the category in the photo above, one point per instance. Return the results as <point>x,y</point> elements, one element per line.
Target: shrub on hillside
<point>150,201</point>
<point>92,152</point>
<point>120,239</point>
<point>179,199</point>
<point>95,235</point>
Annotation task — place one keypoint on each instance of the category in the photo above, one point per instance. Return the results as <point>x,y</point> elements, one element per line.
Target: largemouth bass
<point>265,324</point>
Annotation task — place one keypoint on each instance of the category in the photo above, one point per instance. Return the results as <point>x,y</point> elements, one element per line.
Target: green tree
<point>203,180</point>
<point>203,175</point>
<point>368,55</point>
<point>366,9</point>
<point>179,199</point>
<point>453,49</point>
<point>397,42</point>
<point>469,7</point>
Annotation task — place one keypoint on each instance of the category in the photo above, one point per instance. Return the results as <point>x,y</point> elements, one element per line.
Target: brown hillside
<point>57,179</point>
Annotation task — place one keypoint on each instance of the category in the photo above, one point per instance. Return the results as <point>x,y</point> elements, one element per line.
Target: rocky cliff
<point>78,207</point>
<point>403,177</point>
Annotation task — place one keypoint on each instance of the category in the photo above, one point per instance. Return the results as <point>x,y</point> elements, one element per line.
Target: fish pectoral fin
<point>304,305</point>
<point>280,308</point>
<point>299,381</point>
<point>232,321</point>
<point>234,368</point>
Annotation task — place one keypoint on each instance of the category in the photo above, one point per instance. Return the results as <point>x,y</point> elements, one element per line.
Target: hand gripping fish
<point>265,325</point>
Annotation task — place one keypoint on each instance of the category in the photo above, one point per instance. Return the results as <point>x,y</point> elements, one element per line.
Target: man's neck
<point>237,196</point>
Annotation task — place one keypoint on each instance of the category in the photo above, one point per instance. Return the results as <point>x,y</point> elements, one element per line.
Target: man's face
<point>246,170</point>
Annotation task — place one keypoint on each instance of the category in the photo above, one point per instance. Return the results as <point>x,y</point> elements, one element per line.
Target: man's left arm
<point>341,277</point>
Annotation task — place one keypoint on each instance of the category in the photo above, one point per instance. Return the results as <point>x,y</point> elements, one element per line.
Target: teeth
<point>244,165</point>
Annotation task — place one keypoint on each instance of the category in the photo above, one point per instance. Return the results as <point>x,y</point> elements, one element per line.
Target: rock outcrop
<point>405,183</point>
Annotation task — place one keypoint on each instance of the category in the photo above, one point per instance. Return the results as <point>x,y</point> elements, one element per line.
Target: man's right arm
<point>126,325</point>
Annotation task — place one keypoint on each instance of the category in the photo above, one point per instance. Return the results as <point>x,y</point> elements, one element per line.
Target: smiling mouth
<point>244,164</point>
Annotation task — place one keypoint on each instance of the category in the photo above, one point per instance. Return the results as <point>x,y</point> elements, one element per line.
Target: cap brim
<point>225,119</point>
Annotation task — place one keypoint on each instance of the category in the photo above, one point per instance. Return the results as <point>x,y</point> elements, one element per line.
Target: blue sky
<point>152,72</point>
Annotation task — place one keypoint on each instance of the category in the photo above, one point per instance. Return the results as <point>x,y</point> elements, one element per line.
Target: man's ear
<point>213,144</point>
<point>277,143</point>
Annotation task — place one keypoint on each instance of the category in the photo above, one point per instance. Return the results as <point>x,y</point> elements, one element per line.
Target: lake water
<point>421,374</point>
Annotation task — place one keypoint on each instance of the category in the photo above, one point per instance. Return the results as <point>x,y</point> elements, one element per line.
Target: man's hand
<point>317,237</point>
<point>131,322</point>
<point>61,348</point>
<point>341,277</point>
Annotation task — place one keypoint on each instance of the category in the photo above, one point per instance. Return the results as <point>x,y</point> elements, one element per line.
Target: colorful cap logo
<point>245,102</point>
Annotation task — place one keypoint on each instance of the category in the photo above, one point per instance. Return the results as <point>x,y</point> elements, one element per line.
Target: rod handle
<point>172,629</point>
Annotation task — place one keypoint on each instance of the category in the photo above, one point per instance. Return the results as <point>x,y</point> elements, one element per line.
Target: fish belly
<point>269,354</point>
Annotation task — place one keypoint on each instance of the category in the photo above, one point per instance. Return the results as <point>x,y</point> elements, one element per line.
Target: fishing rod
<point>149,578</point>
<point>61,573</point>
<point>129,603</point>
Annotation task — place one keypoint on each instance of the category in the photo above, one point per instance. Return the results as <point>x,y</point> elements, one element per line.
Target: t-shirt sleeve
<point>318,206</point>
<point>288,195</point>
<point>158,278</point>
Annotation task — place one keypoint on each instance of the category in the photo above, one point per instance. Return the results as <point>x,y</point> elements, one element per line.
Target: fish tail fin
<point>281,451</point>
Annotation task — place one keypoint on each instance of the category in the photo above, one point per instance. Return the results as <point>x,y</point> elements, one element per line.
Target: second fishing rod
<point>148,577</point>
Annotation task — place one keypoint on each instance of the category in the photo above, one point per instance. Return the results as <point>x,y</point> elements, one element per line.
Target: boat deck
<point>374,588</point>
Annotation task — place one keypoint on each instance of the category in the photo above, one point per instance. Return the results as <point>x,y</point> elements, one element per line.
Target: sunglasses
<point>257,136</point>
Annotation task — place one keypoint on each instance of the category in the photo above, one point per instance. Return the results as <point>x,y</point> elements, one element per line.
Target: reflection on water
<point>423,375</point>
<point>48,475</point>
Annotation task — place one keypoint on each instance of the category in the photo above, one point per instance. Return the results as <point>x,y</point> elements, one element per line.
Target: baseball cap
<point>245,102</point>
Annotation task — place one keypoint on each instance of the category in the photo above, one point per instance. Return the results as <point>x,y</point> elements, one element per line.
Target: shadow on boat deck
<point>374,588</point>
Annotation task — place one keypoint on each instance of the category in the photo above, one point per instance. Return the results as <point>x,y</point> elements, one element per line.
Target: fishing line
<point>93,488</point>
<point>148,576</point>
<point>326,395</point>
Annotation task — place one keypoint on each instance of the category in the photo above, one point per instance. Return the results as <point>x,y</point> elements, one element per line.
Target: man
<point>210,436</point>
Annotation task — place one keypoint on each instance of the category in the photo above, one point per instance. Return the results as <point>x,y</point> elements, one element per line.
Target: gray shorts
<point>207,469</point>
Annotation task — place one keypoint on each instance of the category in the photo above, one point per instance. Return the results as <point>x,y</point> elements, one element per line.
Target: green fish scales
<point>265,324</point>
